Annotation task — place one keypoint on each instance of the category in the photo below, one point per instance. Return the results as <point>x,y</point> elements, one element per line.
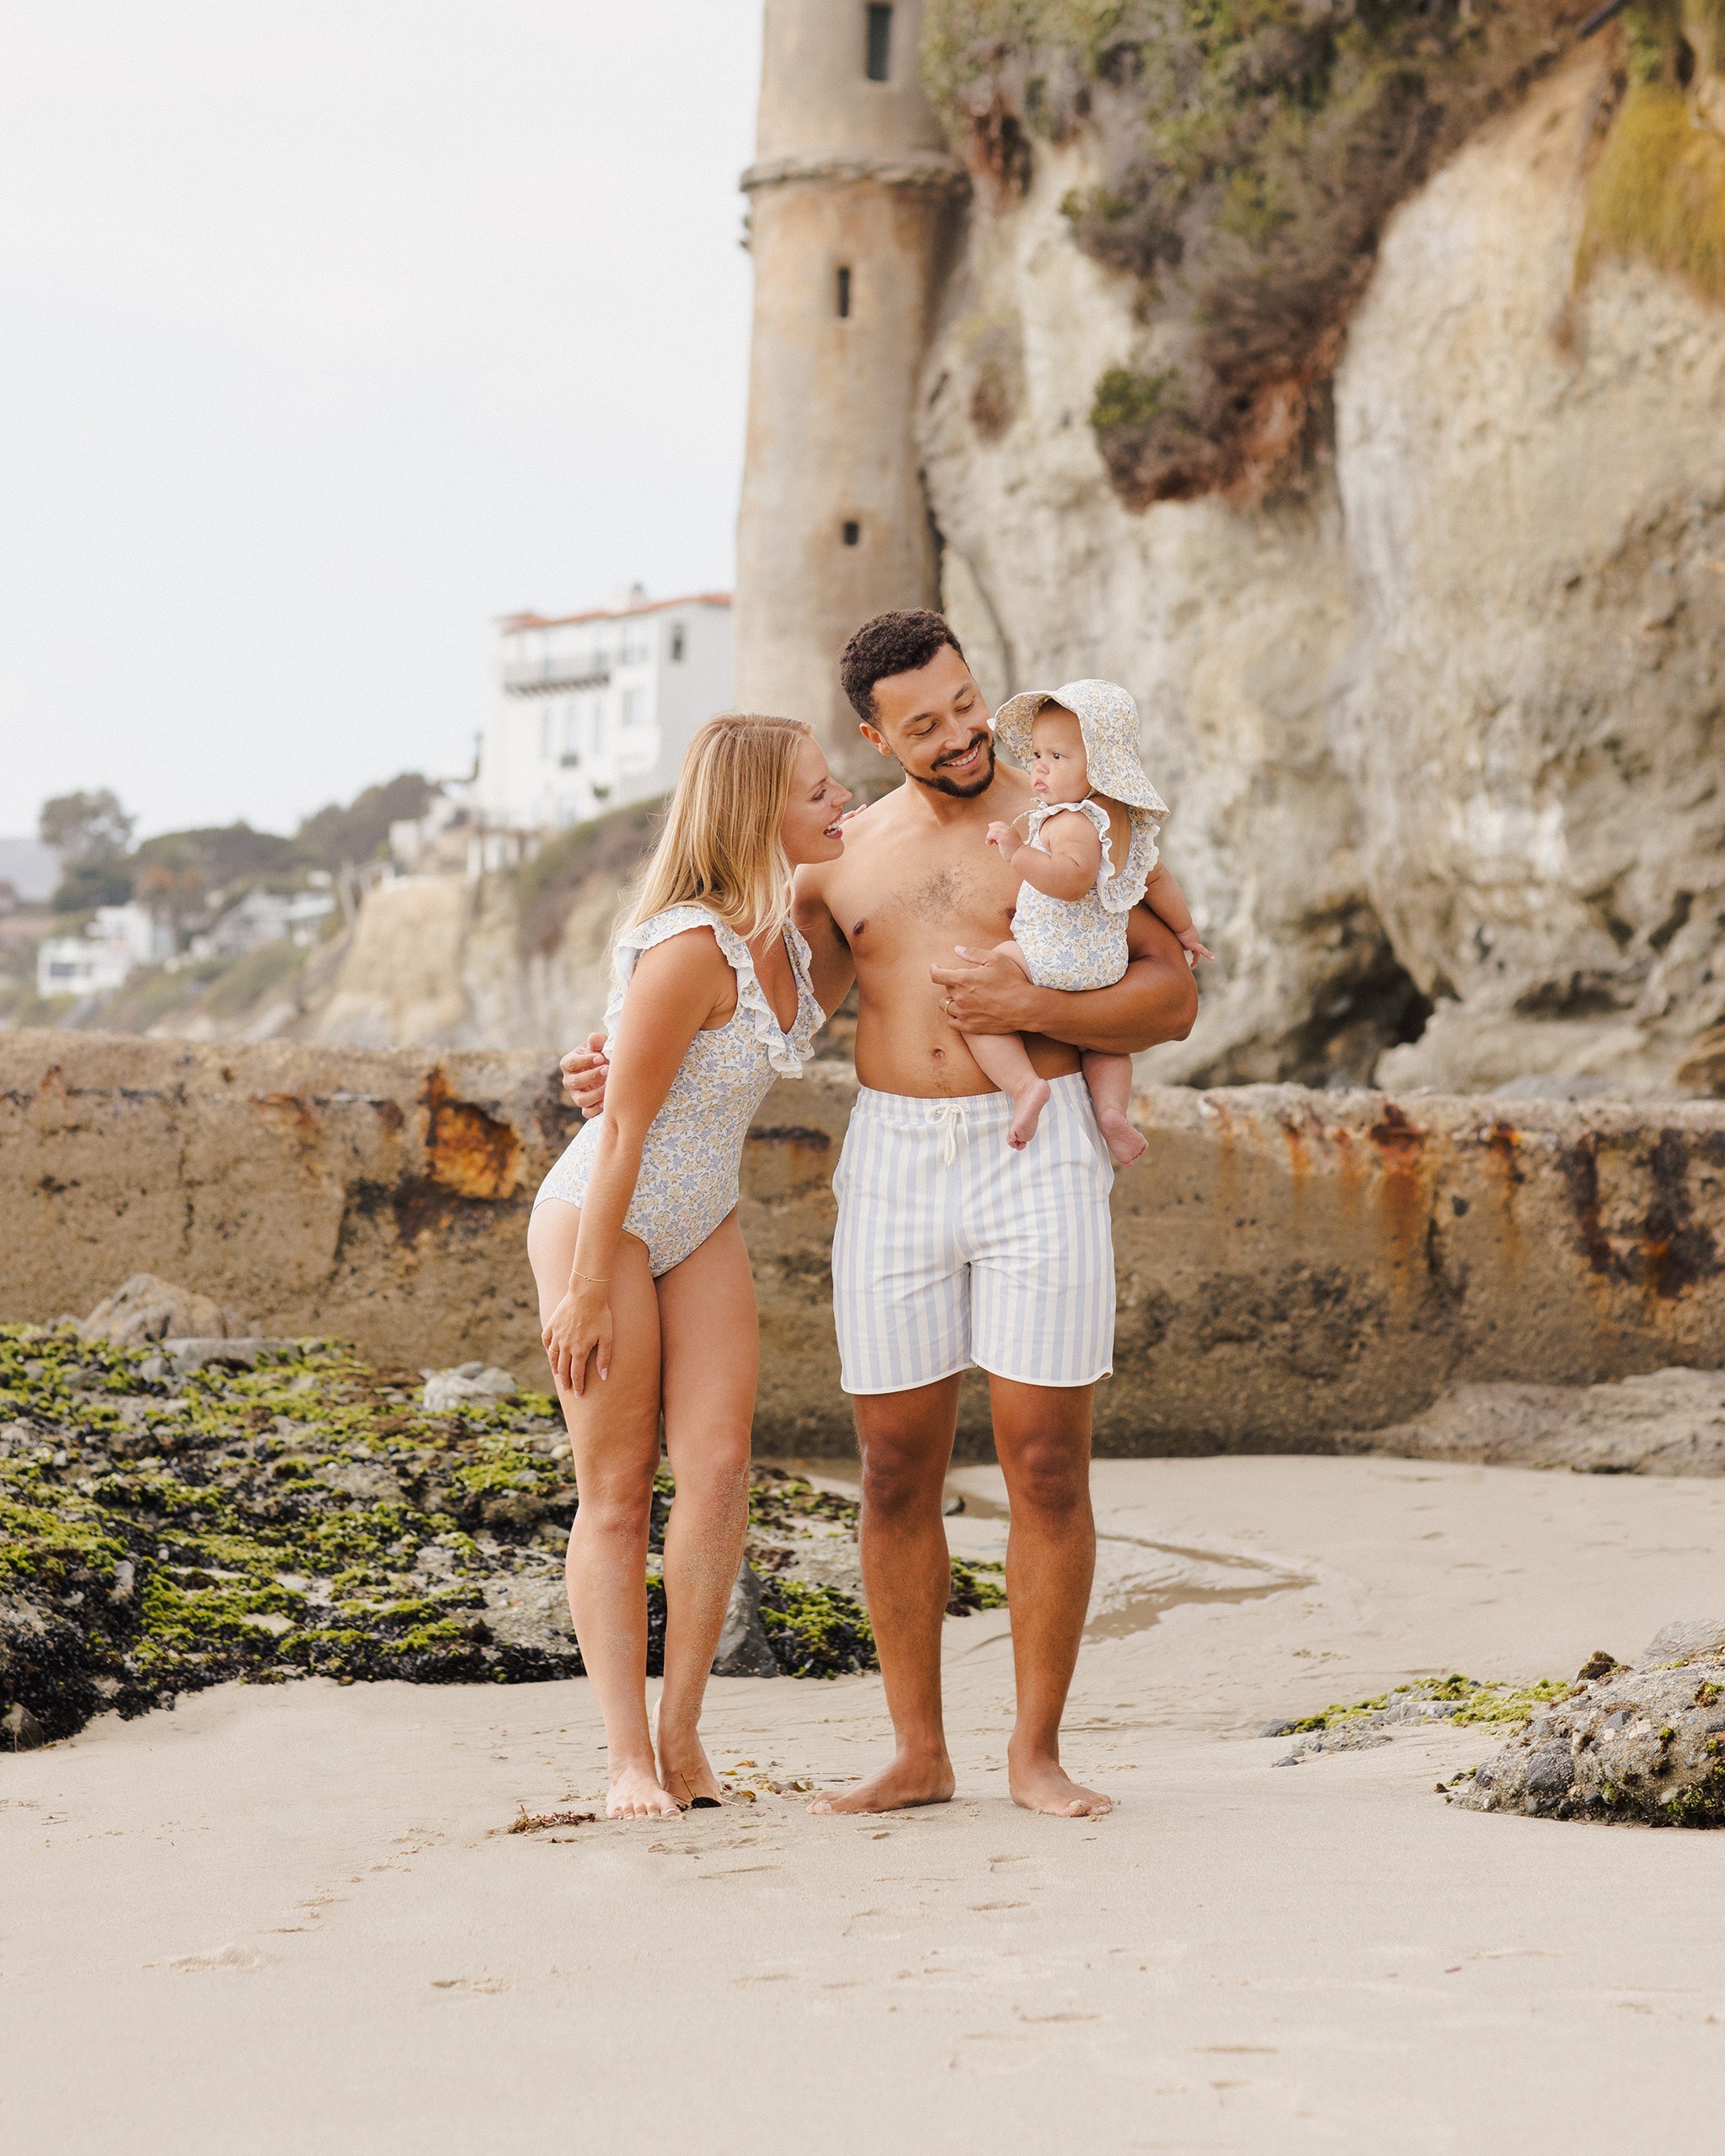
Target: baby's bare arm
<point>1165,899</point>
<point>1068,869</point>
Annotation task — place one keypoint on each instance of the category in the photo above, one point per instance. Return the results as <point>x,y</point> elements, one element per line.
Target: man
<point>951,1248</point>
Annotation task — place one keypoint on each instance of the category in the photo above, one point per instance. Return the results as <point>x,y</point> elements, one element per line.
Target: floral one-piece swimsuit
<point>694,1145</point>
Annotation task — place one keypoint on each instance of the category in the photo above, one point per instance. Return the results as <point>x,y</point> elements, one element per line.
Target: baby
<point>1088,856</point>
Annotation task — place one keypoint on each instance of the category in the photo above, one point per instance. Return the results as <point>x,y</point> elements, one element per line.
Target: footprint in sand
<point>214,1957</point>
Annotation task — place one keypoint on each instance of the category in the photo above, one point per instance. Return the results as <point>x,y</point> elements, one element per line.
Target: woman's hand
<point>1005,838</point>
<point>579,1331</point>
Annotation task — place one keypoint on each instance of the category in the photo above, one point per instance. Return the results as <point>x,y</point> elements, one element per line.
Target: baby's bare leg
<point>1004,1057</point>
<point>1109,1078</point>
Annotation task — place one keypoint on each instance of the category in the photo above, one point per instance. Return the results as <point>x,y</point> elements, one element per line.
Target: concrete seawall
<point>1292,1264</point>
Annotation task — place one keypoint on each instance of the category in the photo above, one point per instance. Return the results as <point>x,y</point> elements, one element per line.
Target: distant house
<point>118,942</point>
<point>263,917</point>
<point>594,711</point>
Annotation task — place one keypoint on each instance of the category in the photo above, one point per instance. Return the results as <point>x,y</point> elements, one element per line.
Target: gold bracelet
<point>599,1279</point>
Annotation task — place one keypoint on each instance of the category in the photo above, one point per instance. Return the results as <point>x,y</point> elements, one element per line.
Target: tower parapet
<point>852,196</point>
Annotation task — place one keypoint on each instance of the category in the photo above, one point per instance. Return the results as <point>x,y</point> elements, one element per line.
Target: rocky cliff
<point>1434,683</point>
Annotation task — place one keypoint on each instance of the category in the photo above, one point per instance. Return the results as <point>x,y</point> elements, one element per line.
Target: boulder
<point>147,1308</point>
<point>1644,1743</point>
<point>448,1389</point>
<point>743,1649</point>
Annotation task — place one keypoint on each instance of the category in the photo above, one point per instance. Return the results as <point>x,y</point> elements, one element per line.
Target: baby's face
<point>1059,770</point>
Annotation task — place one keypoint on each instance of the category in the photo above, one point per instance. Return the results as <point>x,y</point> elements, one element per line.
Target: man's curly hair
<point>898,643</point>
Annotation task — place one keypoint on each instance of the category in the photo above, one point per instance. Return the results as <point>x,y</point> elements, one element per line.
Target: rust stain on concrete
<point>468,1152</point>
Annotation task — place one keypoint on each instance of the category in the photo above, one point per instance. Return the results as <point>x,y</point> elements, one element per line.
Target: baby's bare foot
<point>1125,1144</point>
<point>686,1774</point>
<point>635,1793</point>
<point>900,1783</point>
<point>1031,1102</point>
<point>1042,1784</point>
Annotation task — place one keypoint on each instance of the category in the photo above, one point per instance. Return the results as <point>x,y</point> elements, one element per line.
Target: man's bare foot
<point>900,1783</point>
<point>686,1774</point>
<point>1124,1142</point>
<point>635,1793</point>
<point>1044,1785</point>
<point>1027,1112</point>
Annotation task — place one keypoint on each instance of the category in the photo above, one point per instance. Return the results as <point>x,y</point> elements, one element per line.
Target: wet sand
<point>290,1918</point>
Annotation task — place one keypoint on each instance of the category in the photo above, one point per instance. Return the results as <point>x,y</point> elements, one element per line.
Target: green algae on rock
<point>163,1532</point>
<point>1642,1745</point>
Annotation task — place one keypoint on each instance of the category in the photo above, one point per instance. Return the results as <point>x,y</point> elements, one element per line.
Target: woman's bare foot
<point>902,1783</point>
<point>686,1774</point>
<point>1124,1142</point>
<point>635,1793</point>
<point>1028,1107</point>
<point>1042,1784</point>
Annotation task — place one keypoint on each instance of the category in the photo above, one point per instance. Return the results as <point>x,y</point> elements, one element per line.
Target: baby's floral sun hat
<point>1107,718</point>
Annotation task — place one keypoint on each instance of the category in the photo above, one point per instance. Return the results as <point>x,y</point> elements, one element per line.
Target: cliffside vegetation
<point>1247,154</point>
<point>1659,189</point>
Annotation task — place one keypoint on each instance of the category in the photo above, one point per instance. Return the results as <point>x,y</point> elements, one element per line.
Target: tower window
<point>853,532</point>
<point>878,67</point>
<point>676,640</point>
<point>844,293</point>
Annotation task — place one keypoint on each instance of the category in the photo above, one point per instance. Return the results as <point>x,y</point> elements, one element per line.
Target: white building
<point>263,917</point>
<point>593,711</point>
<point>113,945</point>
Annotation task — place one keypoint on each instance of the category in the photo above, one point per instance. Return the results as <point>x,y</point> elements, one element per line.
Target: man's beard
<point>938,785</point>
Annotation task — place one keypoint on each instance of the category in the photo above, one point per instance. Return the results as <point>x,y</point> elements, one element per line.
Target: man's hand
<point>584,1072</point>
<point>986,994</point>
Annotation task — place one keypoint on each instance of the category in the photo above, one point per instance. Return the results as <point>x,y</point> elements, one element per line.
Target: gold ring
<point>946,1006</point>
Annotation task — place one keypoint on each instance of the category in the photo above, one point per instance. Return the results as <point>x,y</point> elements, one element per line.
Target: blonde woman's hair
<point>722,845</point>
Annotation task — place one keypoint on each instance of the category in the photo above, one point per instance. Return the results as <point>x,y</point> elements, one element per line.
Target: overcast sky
<point>330,331</point>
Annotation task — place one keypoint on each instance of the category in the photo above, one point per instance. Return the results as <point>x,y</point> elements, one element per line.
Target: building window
<point>676,640</point>
<point>545,733</point>
<point>879,66</point>
<point>634,707</point>
<point>844,295</point>
<point>853,532</point>
<point>598,725</point>
<point>569,724</point>
<point>635,652</point>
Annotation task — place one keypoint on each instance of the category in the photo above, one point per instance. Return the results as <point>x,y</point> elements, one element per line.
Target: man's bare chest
<point>899,896</point>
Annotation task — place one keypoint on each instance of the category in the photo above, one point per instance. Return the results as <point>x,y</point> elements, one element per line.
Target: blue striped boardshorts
<point>952,1249</point>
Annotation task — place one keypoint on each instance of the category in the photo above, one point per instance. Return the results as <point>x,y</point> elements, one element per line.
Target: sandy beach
<point>291,1918</point>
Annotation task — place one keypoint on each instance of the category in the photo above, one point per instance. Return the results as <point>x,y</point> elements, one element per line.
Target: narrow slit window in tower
<point>844,294</point>
<point>853,532</point>
<point>880,43</point>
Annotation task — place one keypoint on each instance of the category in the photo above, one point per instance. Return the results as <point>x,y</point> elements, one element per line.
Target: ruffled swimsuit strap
<point>657,928</point>
<point>1098,817</point>
<point>787,1052</point>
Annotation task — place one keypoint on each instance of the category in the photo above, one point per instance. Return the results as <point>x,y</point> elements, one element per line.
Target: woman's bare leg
<point>1109,1078</point>
<point>613,1430</point>
<point>710,1351</point>
<point>1004,1057</point>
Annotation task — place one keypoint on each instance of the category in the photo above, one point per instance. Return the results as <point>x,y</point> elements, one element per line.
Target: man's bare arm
<point>1155,999</point>
<point>832,967</point>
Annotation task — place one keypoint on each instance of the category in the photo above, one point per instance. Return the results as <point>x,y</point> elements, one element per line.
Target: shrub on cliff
<point>1250,151</point>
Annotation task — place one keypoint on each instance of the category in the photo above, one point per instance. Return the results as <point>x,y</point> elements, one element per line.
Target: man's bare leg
<point>1109,1078</point>
<point>1042,1436</point>
<point>906,1441</point>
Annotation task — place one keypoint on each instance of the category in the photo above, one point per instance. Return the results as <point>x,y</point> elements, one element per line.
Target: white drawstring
<point>948,1119</point>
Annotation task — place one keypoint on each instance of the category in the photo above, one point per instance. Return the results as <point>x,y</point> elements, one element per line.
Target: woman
<point>645,1288</point>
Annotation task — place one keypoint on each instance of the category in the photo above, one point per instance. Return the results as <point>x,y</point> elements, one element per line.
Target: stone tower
<point>851,197</point>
